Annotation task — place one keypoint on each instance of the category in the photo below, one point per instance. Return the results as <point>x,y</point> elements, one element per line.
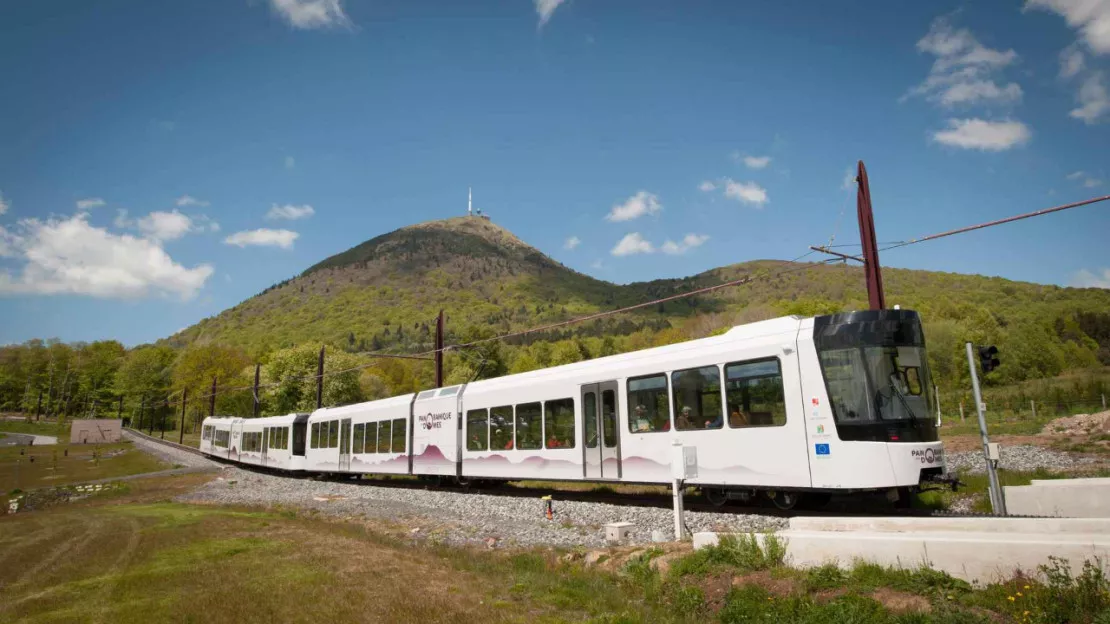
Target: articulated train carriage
<point>790,408</point>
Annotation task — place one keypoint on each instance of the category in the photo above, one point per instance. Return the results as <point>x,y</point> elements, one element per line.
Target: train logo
<point>433,420</point>
<point>927,456</point>
<point>821,449</point>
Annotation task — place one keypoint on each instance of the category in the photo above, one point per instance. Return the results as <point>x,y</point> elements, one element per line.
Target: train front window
<point>877,384</point>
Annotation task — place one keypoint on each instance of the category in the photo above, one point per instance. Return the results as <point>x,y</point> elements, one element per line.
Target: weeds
<point>744,554</point>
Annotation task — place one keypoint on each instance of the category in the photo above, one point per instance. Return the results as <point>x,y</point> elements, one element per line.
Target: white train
<point>790,407</point>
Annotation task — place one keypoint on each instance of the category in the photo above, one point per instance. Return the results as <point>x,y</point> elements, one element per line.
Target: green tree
<point>293,370</point>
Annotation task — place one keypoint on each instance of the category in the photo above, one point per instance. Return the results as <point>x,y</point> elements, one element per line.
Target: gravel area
<point>170,454</point>
<point>1017,458</point>
<point>465,518</point>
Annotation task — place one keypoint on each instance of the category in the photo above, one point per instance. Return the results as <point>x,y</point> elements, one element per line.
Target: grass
<point>43,428</point>
<point>132,556</point>
<point>31,467</point>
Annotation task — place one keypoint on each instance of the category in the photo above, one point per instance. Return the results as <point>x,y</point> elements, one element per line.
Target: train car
<point>274,442</point>
<point>361,438</point>
<point>788,407</point>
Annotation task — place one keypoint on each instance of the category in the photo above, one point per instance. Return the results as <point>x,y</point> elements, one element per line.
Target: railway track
<point>695,502</point>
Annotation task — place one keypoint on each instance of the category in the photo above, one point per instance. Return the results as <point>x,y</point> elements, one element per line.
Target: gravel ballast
<point>465,517</point>
<point>1025,458</point>
<point>170,454</point>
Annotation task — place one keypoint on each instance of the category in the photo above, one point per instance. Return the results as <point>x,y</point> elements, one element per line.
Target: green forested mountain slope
<point>385,293</point>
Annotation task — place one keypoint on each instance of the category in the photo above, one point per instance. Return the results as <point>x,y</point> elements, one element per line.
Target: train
<point>789,409</point>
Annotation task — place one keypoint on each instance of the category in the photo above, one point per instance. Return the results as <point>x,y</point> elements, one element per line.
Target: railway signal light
<point>988,358</point>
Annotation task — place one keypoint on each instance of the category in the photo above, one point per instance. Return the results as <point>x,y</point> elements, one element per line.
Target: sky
<point>161,162</point>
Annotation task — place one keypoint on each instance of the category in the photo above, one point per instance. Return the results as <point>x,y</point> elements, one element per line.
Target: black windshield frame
<point>868,329</point>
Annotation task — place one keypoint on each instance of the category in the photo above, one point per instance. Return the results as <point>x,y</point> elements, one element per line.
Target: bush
<point>744,553</point>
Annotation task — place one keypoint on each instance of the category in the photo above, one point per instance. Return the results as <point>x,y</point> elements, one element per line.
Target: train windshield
<point>877,376</point>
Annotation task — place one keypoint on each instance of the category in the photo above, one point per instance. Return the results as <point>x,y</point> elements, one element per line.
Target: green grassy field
<point>133,556</point>
<point>28,468</point>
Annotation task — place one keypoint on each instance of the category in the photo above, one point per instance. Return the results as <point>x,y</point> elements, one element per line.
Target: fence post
<point>961,411</point>
<point>184,402</point>
<point>257,372</point>
<point>1033,407</point>
<point>320,380</point>
<point>212,399</point>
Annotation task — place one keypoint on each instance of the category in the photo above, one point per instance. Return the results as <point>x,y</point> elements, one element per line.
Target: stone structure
<point>95,431</point>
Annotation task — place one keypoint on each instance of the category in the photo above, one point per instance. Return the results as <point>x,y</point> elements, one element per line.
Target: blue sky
<point>160,162</point>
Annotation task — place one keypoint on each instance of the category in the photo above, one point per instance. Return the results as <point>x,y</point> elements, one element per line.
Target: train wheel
<point>783,500</point>
<point>716,496</point>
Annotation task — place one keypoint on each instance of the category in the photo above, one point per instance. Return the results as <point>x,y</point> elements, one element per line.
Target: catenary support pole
<point>257,374</point>
<point>165,410</point>
<point>679,508</point>
<point>439,350</point>
<point>38,407</point>
<point>998,505</point>
<point>320,380</point>
<point>184,402</point>
<point>212,399</point>
<point>142,408</point>
<point>119,411</point>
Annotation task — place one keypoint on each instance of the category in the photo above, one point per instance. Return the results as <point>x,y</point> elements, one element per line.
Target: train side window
<point>359,433</point>
<point>477,430</point>
<point>529,426</point>
<point>589,409</point>
<point>697,398</point>
<point>755,395</point>
<point>333,434</point>
<point>649,408</point>
<point>609,417</point>
<point>384,435</point>
<point>501,428</point>
<point>558,424</point>
<point>398,435</point>
<point>315,436</point>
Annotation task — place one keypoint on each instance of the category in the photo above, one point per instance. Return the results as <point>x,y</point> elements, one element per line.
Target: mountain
<point>386,292</point>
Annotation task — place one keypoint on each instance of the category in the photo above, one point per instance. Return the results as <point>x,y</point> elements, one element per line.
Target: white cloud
<point>572,242</point>
<point>4,204</point>
<point>263,237</point>
<point>310,14</point>
<point>9,243</point>
<point>964,70</point>
<point>1075,175</point>
<point>980,134</point>
<point>849,181</point>
<point>165,226</point>
<point>1071,61</point>
<point>640,204</point>
<point>688,242</point>
<point>597,264</point>
<point>1100,278</point>
<point>745,192</point>
<point>756,162</point>
<point>1092,182</point>
<point>70,256</point>
<point>546,8</point>
<point>707,186</point>
<point>633,244</point>
<point>188,200</point>
<point>290,212</point>
<point>1090,17</point>
<point>90,203</point>
<point>121,221</point>
<point>289,162</point>
<point>1094,99</point>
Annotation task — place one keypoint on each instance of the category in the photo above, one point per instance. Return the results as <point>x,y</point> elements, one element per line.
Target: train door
<point>602,435</point>
<point>345,444</point>
<point>265,443</point>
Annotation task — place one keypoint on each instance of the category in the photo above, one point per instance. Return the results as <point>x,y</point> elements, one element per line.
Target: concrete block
<point>969,555</point>
<point>617,531</point>
<point>1070,482</point>
<point>1075,500</point>
<point>985,525</point>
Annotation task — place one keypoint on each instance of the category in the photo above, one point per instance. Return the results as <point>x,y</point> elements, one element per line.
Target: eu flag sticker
<point>822,449</point>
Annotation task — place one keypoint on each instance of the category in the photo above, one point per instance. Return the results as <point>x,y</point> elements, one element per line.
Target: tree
<point>294,372</point>
<point>199,364</point>
<point>146,371</point>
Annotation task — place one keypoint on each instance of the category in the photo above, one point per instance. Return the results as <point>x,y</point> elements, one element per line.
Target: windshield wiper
<point>909,410</point>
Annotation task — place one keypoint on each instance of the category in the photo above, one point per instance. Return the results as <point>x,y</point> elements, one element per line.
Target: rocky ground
<point>1022,457</point>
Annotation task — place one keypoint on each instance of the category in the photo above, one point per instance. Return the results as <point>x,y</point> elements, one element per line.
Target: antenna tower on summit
<point>469,205</point>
